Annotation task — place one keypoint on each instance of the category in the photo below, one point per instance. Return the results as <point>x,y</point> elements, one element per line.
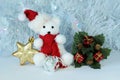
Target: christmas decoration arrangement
<point>25,52</point>
<point>50,43</point>
<point>88,50</point>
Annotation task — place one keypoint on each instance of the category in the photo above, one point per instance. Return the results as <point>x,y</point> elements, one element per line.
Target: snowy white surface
<point>11,70</point>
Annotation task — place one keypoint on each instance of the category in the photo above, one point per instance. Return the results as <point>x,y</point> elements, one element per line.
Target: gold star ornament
<point>25,52</point>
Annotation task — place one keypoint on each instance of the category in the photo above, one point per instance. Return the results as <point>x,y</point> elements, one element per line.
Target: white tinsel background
<point>92,16</point>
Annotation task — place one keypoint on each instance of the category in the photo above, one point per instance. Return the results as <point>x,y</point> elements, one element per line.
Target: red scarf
<point>49,45</point>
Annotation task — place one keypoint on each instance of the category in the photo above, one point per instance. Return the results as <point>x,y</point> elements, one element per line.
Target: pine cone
<point>89,62</point>
<point>97,46</point>
<point>79,46</point>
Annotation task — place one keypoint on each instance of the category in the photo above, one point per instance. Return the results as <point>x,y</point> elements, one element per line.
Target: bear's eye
<point>43,26</point>
<point>52,27</point>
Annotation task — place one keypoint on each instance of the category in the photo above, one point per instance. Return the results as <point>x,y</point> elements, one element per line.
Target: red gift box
<point>98,56</point>
<point>78,57</point>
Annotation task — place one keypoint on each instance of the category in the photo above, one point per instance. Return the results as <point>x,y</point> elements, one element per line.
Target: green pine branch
<point>99,39</point>
<point>105,52</point>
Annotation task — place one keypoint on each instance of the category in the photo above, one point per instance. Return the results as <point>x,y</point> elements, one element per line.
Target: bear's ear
<point>56,20</point>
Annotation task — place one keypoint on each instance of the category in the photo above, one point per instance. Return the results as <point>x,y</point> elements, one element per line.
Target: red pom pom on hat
<point>30,14</point>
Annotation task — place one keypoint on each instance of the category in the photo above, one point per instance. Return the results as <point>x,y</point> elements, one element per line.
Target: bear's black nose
<point>48,32</point>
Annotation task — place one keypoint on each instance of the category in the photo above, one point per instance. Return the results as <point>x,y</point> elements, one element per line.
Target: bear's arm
<point>60,39</point>
<point>38,43</point>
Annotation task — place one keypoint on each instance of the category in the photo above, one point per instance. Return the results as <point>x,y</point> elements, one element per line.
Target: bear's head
<point>45,26</point>
<point>42,23</point>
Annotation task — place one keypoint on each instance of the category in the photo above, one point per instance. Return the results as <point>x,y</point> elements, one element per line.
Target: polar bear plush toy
<point>50,41</point>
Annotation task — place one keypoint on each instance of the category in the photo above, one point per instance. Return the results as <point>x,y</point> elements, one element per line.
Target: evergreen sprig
<point>88,47</point>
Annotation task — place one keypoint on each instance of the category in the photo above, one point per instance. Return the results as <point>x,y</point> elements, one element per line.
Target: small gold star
<point>25,52</point>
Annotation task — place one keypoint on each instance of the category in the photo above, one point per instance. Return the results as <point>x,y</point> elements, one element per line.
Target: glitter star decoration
<point>25,52</point>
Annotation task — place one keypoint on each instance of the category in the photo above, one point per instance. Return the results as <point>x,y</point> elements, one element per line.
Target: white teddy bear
<point>50,41</point>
